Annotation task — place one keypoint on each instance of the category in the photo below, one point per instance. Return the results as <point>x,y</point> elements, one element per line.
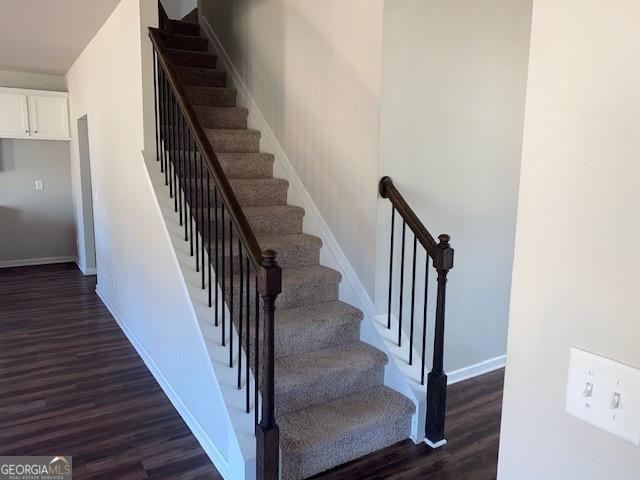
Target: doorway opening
<point>88,264</point>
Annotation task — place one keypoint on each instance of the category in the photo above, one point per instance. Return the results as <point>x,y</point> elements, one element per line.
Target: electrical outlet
<point>39,185</point>
<point>605,394</point>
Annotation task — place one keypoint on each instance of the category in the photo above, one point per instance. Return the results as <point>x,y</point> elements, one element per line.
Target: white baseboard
<point>86,271</point>
<point>205,441</point>
<point>435,445</point>
<point>357,294</point>
<point>476,370</point>
<point>26,262</point>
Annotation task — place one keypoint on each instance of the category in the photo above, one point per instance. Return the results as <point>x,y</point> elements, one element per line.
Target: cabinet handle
<point>35,131</point>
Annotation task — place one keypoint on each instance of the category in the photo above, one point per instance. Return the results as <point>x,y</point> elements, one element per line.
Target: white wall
<point>177,9</point>
<point>315,73</point>
<point>453,90</point>
<point>138,275</point>
<point>577,264</point>
<point>26,215</point>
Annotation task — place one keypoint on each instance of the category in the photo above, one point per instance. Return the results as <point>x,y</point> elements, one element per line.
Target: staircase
<point>330,401</point>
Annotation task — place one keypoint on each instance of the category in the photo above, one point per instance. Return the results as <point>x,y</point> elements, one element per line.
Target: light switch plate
<point>605,394</point>
<point>39,185</point>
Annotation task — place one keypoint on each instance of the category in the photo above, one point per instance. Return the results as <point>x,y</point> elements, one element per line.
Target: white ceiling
<point>46,36</point>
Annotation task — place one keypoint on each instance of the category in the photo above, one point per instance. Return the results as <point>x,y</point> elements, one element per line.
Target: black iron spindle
<point>223,283</point>
<point>196,206</point>
<point>247,349</point>
<point>413,298</point>
<point>209,234</point>
<point>202,230</point>
<point>393,219</point>
<point>240,302</point>
<point>230,293</point>
<point>404,229</point>
<point>181,169</point>
<point>217,272</point>
<point>256,355</point>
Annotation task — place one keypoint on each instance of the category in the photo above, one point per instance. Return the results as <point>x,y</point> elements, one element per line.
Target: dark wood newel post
<point>437,380</point>
<point>268,441</point>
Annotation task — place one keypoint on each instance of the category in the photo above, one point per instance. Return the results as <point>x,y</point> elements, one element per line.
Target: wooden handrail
<point>388,190</point>
<point>262,261</point>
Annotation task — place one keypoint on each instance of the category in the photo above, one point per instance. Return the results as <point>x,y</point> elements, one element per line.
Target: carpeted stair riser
<point>293,251</point>
<point>235,165</point>
<point>250,192</point>
<point>185,28</point>
<point>186,42</point>
<point>260,192</point>
<point>301,286</point>
<point>265,221</point>
<point>202,77</point>
<point>222,117</point>
<point>234,141</point>
<point>307,328</point>
<point>319,438</point>
<point>316,377</point>
<point>212,97</point>
<point>187,58</point>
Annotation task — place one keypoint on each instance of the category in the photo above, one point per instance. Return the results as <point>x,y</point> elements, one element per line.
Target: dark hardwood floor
<point>71,384</point>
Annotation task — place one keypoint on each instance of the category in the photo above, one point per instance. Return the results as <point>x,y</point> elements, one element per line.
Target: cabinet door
<point>14,119</point>
<point>49,116</point>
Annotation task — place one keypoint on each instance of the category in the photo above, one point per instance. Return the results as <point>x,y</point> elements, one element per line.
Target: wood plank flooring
<point>71,384</point>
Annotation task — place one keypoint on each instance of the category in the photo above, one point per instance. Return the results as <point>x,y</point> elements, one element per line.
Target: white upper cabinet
<point>48,116</point>
<point>34,114</point>
<point>14,116</point>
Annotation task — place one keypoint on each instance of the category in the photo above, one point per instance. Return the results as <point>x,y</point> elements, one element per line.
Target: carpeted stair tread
<point>275,219</point>
<point>321,437</point>
<point>186,42</point>
<point>185,28</point>
<point>233,140</point>
<point>229,117</point>
<point>190,58</point>
<point>203,77</point>
<point>211,96</point>
<point>319,376</point>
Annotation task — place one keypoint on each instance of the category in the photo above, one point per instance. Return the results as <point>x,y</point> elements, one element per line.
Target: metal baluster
<point>189,183</point>
<point>217,272</point>
<point>165,107</point>
<point>230,292</point>
<point>413,298</point>
<point>424,318</point>
<point>175,157</point>
<point>404,229</point>
<point>195,218</point>
<point>209,233</point>
<point>163,139</point>
<point>202,230</point>
<point>240,298</point>
<point>181,175</point>
<point>393,220</point>
<point>155,101</point>
<point>247,348</point>
<point>224,277</point>
<point>171,143</point>
<point>257,355</point>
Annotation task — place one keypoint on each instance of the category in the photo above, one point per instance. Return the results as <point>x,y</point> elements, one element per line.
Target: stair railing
<point>441,255</point>
<point>236,272</point>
